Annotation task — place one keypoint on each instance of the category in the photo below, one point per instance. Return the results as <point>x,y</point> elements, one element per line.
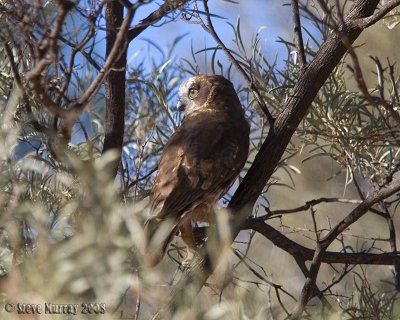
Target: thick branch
<point>378,15</point>
<point>115,80</point>
<point>306,254</point>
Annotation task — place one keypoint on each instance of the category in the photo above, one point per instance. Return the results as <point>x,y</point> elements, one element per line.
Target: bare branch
<point>79,48</point>
<point>119,45</point>
<point>297,33</point>
<point>317,292</point>
<point>210,29</point>
<point>34,76</point>
<point>309,204</point>
<point>298,251</point>
<point>167,7</point>
<point>393,81</point>
<point>378,15</point>
<point>324,243</point>
<point>276,287</point>
<point>76,108</point>
<point>360,210</point>
<point>310,283</point>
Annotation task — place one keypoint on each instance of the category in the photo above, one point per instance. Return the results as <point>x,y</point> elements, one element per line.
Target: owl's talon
<point>191,256</point>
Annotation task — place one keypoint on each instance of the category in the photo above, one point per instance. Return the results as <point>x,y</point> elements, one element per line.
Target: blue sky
<point>272,15</point>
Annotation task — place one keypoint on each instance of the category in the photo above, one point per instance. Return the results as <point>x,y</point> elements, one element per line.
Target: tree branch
<point>325,242</point>
<point>393,243</point>
<point>297,33</point>
<point>378,15</point>
<point>210,29</point>
<point>360,210</point>
<point>306,254</point>
<point>115,80</point>
<point>51,50</point>
<point>167,7</point>
<point>308,205</point>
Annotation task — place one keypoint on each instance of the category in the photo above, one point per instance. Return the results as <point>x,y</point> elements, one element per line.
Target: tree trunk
<point>115,84</point>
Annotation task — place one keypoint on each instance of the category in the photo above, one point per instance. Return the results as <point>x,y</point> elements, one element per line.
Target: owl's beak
<point>180,106</point>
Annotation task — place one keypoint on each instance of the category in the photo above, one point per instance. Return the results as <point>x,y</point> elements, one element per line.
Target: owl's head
<point>202,92</point>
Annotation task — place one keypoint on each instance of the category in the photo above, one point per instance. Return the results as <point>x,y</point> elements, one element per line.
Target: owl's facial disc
<point>189,93</point>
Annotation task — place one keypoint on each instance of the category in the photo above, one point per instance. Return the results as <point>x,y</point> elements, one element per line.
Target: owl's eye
<point>193,92</point>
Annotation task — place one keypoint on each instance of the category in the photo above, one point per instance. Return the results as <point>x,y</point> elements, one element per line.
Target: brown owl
<point>200,161</point>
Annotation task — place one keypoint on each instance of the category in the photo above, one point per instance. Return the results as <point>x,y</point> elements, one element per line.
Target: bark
<point>116,79</point>
<point>115,83</point>
<point>307,254</point>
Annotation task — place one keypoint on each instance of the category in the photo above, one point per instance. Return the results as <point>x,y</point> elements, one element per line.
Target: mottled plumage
<point>201,159</point>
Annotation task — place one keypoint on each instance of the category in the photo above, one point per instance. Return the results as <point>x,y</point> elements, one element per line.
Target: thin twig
<point>393,81</point>
<point>79,48</point>
<point>167,7</point>
<point>276,287</point>
<point>34,76</point>
<point>211,30</point>
<point>297,33</point>
<point>307,206</point>
<point>137,180</point>
<point>81,51</point>
<point>120,43</point>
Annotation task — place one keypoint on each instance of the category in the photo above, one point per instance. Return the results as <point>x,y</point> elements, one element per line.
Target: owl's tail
<point>158,234</point>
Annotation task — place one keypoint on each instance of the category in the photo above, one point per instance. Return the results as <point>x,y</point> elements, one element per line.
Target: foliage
<point>72,232</point>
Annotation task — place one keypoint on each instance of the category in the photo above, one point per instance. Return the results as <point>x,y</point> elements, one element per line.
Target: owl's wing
<point>199,163</point>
